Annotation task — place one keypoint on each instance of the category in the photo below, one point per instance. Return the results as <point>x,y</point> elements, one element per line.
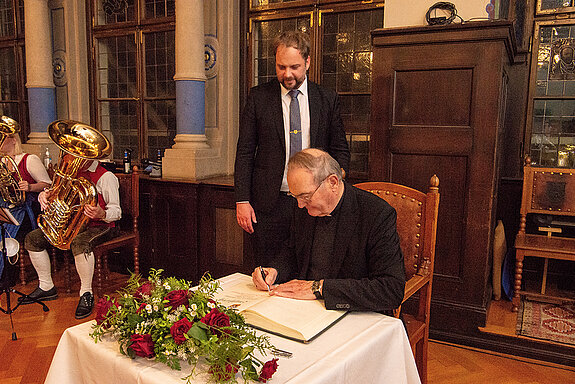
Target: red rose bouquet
<point>169,320</point>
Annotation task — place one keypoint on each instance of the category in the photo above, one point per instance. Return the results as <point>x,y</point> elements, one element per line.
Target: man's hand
<point>95,213</point>
<point>257,278</point>
<point>246,216</point>
<point>43,198</point>
<point>24,186</point>
<point>295,289</point>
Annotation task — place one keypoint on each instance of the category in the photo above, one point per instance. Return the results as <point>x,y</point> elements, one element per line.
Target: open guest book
<point>300,320</point>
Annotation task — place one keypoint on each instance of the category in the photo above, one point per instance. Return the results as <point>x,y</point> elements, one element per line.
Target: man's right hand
<point>246,216</point>
<point>43,198</point>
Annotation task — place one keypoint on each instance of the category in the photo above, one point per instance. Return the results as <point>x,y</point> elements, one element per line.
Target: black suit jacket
<point>261,150</point>
<point>367,271</point>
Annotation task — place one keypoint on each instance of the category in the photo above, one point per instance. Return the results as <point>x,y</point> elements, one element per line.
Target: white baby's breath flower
<point>149,308</point>
<point>194,306</point>
<point>156,308</point>
<point>167,286</point>
<point>211,305</point>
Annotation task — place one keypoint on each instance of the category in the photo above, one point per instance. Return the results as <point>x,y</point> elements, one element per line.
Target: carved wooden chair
<point>417,214</point>
<point>546,191</point>
<point>128,224</point>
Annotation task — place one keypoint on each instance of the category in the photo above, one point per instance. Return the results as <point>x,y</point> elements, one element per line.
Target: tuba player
<point>100,228</point>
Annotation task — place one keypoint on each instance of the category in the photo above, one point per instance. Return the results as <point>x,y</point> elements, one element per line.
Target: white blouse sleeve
<point>109,187</point>
<point>36,169</point>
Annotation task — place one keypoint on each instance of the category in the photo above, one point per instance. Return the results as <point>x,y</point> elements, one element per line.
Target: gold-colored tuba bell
<point>64,215</point>
<point>9,173</point>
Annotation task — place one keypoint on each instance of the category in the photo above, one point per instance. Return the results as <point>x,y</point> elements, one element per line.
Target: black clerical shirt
<point>322,248</point>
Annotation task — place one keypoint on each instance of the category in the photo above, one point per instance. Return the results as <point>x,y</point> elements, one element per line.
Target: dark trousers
<point>272,230</point>
<point>82,243</point>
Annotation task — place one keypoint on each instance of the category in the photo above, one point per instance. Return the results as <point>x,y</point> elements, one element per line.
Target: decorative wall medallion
<point>210,54</point>
<point>113,7</point>
<point>563,60</point>
<point>59,68</point>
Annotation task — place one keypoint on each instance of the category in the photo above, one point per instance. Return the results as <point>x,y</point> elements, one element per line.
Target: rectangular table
<point>360,348</point>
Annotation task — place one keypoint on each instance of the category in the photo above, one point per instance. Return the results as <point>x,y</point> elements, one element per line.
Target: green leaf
<point>197,333</point>
<point>134,319</point>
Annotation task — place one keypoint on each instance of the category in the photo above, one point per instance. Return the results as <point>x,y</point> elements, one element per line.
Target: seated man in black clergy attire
<point>344,249</point>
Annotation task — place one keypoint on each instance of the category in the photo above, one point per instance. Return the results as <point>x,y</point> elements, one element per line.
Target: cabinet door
<point>224,247</point>
<point>168,225</point>
<point>439,113</point>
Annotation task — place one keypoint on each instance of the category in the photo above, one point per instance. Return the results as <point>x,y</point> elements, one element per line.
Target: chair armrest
<point>414,284</point>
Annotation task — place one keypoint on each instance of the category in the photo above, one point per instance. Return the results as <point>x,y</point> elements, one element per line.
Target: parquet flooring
<point>27,360</point>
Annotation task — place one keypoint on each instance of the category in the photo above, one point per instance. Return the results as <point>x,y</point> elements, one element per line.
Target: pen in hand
<point>264,277</point>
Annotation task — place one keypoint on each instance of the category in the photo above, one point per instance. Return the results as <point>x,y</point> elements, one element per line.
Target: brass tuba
<point>64,216</point>
<point>9,174</point>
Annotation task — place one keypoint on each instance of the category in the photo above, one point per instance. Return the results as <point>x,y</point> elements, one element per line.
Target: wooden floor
<point>27,359</point>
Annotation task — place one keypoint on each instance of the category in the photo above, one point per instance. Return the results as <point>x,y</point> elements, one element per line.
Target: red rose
<point>220,375</point>
<point>144,289</point>
<point>216,319</point>
<point>177,298</point>
<point>102,308</point>
<point>268,370</point>
<point>179,329</point>
<point>142,345</point>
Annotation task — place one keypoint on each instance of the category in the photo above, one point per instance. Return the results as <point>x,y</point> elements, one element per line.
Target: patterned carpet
<point>546,321</point>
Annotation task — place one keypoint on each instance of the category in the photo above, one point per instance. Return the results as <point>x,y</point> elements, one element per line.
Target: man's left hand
<point>295,289</point>
<point>95,213</point>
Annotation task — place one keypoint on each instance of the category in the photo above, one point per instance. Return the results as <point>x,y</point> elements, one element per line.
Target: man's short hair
<point>318,162</point>
<point>294,39</point>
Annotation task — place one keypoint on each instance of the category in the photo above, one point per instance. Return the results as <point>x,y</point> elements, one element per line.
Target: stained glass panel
<point>264,34</point>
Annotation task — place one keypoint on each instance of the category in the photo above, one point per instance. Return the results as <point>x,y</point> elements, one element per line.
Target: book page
<point>299,319</point>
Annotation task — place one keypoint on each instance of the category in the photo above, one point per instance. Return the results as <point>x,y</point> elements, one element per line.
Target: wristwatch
<point>316,289</point>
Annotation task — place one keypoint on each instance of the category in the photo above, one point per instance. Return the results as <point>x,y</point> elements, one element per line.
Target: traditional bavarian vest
<point>23,169</point>
<point>94,177</point>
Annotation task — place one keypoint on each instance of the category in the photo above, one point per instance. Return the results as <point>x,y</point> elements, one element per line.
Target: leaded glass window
<point>553,111</point>
<point>135,68</point>
<point>341,57</point>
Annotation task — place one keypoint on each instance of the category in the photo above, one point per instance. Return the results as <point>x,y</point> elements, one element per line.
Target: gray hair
<point>294,39</point>
<point>318,162</point>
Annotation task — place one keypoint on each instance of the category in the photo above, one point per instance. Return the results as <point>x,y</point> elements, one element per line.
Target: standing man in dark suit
<point>280,118</point>
<point>345,249</point>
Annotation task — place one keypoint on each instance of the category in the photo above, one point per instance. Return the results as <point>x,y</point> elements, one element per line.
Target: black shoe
<point>40,295</point>
<point>85,306</point>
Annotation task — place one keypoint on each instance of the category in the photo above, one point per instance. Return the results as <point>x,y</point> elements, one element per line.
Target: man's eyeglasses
<point>306,197</point>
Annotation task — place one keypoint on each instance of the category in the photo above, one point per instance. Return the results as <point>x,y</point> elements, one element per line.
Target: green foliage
<point>175,321</point>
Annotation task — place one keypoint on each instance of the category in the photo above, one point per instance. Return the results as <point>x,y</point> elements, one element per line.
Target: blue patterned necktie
<point>294,123</point>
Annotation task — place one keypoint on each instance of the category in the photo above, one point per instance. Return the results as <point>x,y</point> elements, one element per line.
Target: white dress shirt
<point>303,100</point>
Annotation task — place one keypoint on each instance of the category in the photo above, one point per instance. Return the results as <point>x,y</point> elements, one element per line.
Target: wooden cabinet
<point>188,228</point>
<point>168,227</point>
<point>225,247</point>
<point>439,99</point>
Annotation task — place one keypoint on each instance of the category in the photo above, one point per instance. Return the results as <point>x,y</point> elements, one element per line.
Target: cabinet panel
<point>438,107</point>
<point>168,222</point>
<point>224,247</point>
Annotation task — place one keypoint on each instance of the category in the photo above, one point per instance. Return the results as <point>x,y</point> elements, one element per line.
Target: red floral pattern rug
<point>555,322</point>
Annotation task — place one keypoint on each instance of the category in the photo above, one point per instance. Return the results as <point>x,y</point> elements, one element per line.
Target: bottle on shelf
<point>47,158</point>
<point>157,165</point>
<point>127,160</point>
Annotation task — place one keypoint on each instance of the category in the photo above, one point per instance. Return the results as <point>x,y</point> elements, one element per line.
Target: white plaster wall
<point>404,13</point>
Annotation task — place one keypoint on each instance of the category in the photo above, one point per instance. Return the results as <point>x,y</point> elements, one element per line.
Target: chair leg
<point>98,258</point>
<point>136,260</point>
<point>22,266</point>
<point>67,272</point>
<point>517,286</point>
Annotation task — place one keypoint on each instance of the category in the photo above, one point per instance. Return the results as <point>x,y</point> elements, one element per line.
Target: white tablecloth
<point>360,348</point>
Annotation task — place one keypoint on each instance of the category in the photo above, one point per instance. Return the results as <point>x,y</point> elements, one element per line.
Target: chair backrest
<point>416,221</point>
<point>548,191</point>
<point>129,199</point>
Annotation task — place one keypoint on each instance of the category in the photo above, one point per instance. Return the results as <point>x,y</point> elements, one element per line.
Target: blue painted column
<point>190,75</point>
<point>39,81</point>
<point>189,155</point>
